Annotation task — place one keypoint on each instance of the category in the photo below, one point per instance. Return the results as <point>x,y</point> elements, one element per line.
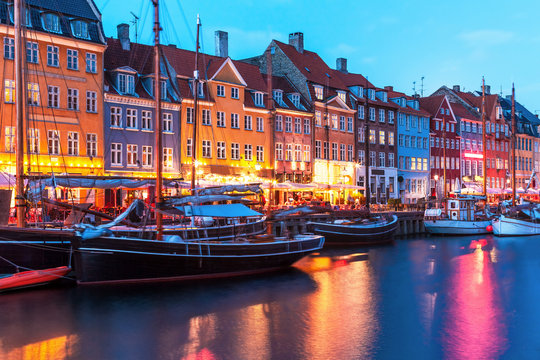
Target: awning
<point>224,210</point>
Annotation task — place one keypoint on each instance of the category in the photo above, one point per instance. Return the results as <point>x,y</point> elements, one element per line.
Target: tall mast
<point>444,155</point>
<point>20,98</point>
<point>484,165</point>
<point>367,139</point>
<point>159,142</point>
<point>195,111</point>
<point>513,146</point>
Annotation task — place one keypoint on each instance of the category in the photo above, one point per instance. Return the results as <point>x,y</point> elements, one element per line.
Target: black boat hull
<point>33,248</point>
<point>112,259</point>
<point>343,235</point>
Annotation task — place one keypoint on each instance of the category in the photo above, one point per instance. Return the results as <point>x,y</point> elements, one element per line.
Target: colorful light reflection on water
<point>425,298</point>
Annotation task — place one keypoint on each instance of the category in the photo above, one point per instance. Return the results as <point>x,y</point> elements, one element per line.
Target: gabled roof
<point>281,83</point>
<point>139,57</point>
<point>462,112</point>
<point>432,104</point>
<point>312,66</point>
<point>350,79</point>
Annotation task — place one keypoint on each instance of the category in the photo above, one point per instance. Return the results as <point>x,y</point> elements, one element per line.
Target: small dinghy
<point>32,278</point>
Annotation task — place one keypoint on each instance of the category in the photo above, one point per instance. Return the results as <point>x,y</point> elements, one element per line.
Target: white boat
<point>460,216</point>
<point>521,220</point>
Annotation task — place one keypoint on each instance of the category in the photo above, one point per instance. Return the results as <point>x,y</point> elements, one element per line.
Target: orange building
<point>64,82</point>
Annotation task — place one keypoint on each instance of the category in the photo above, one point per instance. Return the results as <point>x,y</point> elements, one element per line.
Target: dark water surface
<point>425,298</point>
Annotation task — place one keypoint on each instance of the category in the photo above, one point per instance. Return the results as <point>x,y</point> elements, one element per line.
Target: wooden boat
<point>367,231</point>
<point>32,278</point>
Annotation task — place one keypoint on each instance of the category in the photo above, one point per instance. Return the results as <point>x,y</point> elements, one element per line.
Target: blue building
<point>413,148</point>
<point>129,115</point>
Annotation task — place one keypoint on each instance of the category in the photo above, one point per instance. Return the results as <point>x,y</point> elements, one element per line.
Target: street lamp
<point>436,178</point>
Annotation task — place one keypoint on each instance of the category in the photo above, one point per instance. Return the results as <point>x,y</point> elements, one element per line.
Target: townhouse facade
<point>413,149</point>
<point>64,79</point>
<point>445,152</point>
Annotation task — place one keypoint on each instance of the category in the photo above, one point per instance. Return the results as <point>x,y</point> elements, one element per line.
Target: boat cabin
<point>462,209</point>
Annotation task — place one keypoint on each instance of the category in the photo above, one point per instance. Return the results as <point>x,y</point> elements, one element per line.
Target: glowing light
<point>474,156</point>
<point>436,177</point>
<point>258,167</point>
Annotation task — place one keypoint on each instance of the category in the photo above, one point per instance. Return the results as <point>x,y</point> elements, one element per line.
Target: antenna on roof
<point>414,87</point>
<point>422,87</point>
<point>135,22</point>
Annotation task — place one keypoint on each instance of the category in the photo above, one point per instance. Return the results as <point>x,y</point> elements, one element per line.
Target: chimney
<point>487,88</point>
<point>222,43</point>
<point>456,88</point>
<point>389,88</point>
<point>123,36</point>
<point>297,40</point>
<point>341,65</point>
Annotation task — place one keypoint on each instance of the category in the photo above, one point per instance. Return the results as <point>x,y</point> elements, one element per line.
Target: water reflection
<point>473,318</point>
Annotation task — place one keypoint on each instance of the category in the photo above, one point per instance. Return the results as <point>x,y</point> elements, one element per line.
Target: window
<point>73,99</point>
<point>147,155</point>
<point>91,144</point>
<point>260,153</point>
<point>53,142</point>
<point>33,141</point>
<point>91,63</point>
<point>234,93</point>
<point>288,152</point>
<point>188,148</point>
<point>9,48</point>
<point>295,99</point>
<point>361,112</point>
<point>318,121</point>
<point>342,123</point>
<point>361,134</point>
<point>372,137</point>
<point>72,59</point>
<point>248,123</point>
<point>349,124</point>
<point>221,150</point>
<point>206,149</point>
<point>167,122</point>
<point>32,54</point>
<point>53,96</point>
<point>279,151</point>
<point>91,103</point>
<point>382,159</point>
<point>342,155</point>
<point>235,151</point>
<point>168,157</point>
<point>221,90</point>
<point>131,152</point>
<point>279,123</point>
<point>408,141</point>
<point>372,114</point>
<point>259,99</point>
<point>349,153</point>
<point>342,95</point>
<point>116,117</point>
<point>391,138</point>
<point>278,96</point>
<point>73,143</point>
<point>334,151</point>
<point>390,117</point>
<point>51,22</point>
<point>307,153</point>
<point>326,153</point>
<point>201,90</point>
<point>317,149</point>
<point>318,92</point>
<point>297,152</point>
<point>298,125</point>
<point>126,84</point>
<point>206,117</point>
<point>361,157</point>
<point>235,123</point>
<point>381,115</point>
<point>260,124</point>
<point>372,158</point>
<point>33,94</point>
<point>10,138</point>
<point>131,118</point>
<point>52,55</point>
<point>189,115</point>
<point>146,120</point>
<point>390,159</point>
<point>381,137</point>
<point>334,121</point>
<point>220,119</point>
<point>9,91</point>
<point>288,124</point>
<point>248,152</point>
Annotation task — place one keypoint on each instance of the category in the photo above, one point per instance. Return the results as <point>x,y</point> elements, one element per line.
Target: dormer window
<point>361,91</point>
<point>499,113</point>
<point>201,90</point>
<point>259,99</point>
<point>416,105</point>
<point>318,92</point>
<point>278,96</point>
<point>126,84</point>
<point>26,16</point>
<point>371,94</point>
<point>163,89</point>
<point>80,29</point>
<point>51,22</point>
<point>342,95</point>
<point>295,99</point>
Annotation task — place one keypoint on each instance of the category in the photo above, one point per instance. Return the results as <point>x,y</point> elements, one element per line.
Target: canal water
<point>419,298</point>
